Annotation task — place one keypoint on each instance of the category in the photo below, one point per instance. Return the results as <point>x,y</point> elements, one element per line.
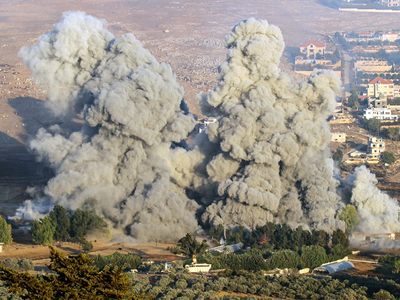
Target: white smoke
<point>377,211</point>
<point>265,159</point>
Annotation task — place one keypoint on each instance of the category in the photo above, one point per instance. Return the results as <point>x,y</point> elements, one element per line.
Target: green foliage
<point>338,156</point>
<point>383,295</point>
<point>388,157</point>
<point>19,264</point>
<point>61,220</point>
<point>5,232</point>
<point>313,256</point>
<point>190,246</point>
<point>340,238</point>
<point>86,245</point>
<point>126,261</point>
<point>43,231</point>
<point>75,278</point>
<point>350,217</point>
<point>353,98</point>
<point>284,259</point>
<point>373,124</point>
<point>84,222</point>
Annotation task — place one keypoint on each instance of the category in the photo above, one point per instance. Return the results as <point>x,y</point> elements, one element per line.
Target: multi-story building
<point>382,113</point>
<point>312,48</point>
<point>388,36</point>
<point>380,87</point>
<point>390,3</point>
<point>375,146</point>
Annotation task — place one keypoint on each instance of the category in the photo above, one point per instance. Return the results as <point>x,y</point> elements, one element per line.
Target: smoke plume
<point>264,159</point>
<point>377,211</point>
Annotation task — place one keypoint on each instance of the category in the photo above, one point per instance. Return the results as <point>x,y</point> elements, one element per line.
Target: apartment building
<point>380,87</point>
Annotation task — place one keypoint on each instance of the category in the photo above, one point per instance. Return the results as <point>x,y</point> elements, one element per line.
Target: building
<point>333,267</point>
<point>227,248</point>
<point>338,137</point>
<point>380,87</point>
<point>381,113</point>
<point>197,268</point>
<point>370,237</point>
<point>388,36</point>
<point>390,3</point>
<point>375,147</point>
<point>372,65</point>
<point>312,48</point>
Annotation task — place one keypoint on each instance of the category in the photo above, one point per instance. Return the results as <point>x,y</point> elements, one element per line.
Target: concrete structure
<point>380,87</point>
<point>390,3</point>
<point>372,65</point>
<point>338,137</point>
<point>334,267</point>
<point>377,103</point>
<point>382,113</point>
<point>227,248</point>
<point>375,147</point>
<point>312,48</point>
<point>197,268</point>
<point>370,236</point>
<point>388,36</point>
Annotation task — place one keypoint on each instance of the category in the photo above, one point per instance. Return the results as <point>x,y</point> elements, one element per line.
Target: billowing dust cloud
<point>264,159</point>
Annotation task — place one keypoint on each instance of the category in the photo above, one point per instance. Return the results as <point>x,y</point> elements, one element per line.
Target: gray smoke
<point>130,105</point>
<point>377,211</point>
<point>265,159</point>
<point>272,162</point>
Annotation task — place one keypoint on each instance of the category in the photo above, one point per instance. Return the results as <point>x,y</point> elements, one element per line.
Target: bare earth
<point>187,34</point>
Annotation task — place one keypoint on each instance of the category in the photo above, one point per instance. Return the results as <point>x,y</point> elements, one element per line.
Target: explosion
<point>264,159</point>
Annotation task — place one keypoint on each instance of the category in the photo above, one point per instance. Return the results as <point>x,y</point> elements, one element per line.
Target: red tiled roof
<point>383,81</point>
<point>314,43</point>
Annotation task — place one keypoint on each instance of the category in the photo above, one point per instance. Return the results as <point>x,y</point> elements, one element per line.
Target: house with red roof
<point>380,87</point>
<point>312,48</point>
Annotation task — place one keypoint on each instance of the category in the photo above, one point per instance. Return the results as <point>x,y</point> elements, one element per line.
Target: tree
<point>61,220</point>
<point>338,156</point>
<point>350,217</point>
<point>43,231</point>
<point>353,98</point>
<point>340,238</point>
<point>388,157</point>
<point>76,278</point>
<point>313,256</point>
<point>190,246</point>
<point>5,232</point>
<point>84,222</point>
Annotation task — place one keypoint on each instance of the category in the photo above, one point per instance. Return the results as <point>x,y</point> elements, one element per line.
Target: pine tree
<point>76,278</point>
<point>61,220</point>
<point>43,231</point>
<point>5,232</point>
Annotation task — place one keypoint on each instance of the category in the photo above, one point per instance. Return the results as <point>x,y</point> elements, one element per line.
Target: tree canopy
<point>190,246</point>
<point>388,157</point>
<point>61,220</point>
<point>76,278</point>
<point>43,231</point>
<point>350,217</point>
<point>5,232</point>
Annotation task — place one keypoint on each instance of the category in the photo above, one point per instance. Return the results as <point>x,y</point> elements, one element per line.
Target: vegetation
<point>373,124</point>
<point>5,232</point>
<point>189,246</point>
<point>125,261</point>
<point>338,156</point>
<point>61,220</point>
<point>60,226</point>
<point>75,278</point>
<point>350,217</point>
<point>388,157</point>
<point>19,264</point>
<point>353,98</point>
<point>178,285</point>
<point>43,231</point>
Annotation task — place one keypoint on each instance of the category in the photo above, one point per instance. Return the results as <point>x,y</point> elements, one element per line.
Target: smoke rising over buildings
<point>265,159</point>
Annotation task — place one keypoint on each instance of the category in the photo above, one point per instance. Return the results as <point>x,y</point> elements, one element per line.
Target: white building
<point>375,146</point>
<point>381,113</point>
<point>197,268</point>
